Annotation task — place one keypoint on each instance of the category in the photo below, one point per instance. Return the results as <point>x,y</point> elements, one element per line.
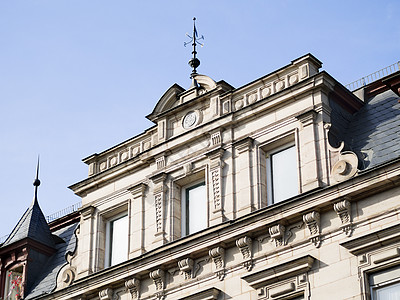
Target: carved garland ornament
<point>217,255</point>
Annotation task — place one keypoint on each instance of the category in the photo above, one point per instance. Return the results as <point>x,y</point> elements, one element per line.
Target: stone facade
<point>323,243</point>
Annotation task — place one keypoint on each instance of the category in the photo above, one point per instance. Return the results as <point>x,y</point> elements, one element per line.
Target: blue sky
<point>77,77</point>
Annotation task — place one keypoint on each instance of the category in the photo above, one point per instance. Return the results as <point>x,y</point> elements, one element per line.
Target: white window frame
<point>184,206</point>
<point>383,279</point>
<point>270,172</point>
<point>108,237</point>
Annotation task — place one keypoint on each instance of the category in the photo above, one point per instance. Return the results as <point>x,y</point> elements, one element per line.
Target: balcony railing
<point>64,212</point>
<point>373,77</point>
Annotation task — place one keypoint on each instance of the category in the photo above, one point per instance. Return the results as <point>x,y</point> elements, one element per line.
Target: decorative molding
<point>244,145</point>
<point>216,166</point>
<point>186,267</point>
<point>160,162</point>
<point>106,294</point>
<point>188,168</point>
<point>68,276</point>
<point>138,190</point>
<point>312,221</point>
<point>208,294</point>
<point>347,165</point>
<point>343,210</point>
<point>245,246</point>
<point>159,192</point>
<point>133,286</point>
<point>217,254</point>
<point>277,233</point>
<point>373,240</point>
<point>215,138</point>
<point>158,277</point>
<point>287,279</point>
<point>87,212</point>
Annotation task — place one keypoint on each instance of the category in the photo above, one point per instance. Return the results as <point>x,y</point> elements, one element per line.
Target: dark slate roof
<point>374,132</point>
<point>47,280</point>
<point>32,225</point>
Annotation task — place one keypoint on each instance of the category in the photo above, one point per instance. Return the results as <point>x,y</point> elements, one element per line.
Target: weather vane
<point>194,40</point>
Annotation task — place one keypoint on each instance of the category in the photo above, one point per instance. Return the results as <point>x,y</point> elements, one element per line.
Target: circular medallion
<point>189,120</point>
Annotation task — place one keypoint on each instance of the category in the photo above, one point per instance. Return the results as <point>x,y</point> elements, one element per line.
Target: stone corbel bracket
<point>186,267</point>
<point>343,210</point>
<point>133,286</point>
<point>106,294</point>
<point>312,220</point>
<point>277,234</point>
<point>218,256</point>
<point>245,246</point>
<point>158,277</point>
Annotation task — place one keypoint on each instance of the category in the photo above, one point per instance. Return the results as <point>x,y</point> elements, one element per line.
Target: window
<point>194,208</point>
<point>116,240</point>
<point>282,174</point>
<point>385,285</point>
<point>13,284</point>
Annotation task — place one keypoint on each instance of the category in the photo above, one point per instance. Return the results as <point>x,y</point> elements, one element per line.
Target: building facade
<point>284,188</point>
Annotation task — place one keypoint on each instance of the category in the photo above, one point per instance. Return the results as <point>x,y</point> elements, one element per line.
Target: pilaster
<point>215,178</point>
<point>137,222</point>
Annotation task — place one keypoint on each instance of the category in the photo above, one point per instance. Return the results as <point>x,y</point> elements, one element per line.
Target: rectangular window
<point>116,240</point>
<point>282,174</point>
<point>194,208</point>
<point>13,284</point>
<point>385,285</point>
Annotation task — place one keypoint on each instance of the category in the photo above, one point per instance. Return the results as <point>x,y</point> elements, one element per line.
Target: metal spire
<point>36,182</point>
<point>194,39</point>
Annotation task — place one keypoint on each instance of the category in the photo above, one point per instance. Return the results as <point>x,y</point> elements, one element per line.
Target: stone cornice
<point>197,245</point>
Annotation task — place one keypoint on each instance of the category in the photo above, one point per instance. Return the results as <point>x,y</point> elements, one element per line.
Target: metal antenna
<point>36,182</point>
<point>194,40</point>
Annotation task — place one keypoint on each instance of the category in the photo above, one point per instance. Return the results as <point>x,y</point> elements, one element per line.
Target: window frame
<point>108,252</point>
<point>185,221</point>
<point>384,283</point>
<point>269,172</point>
<point>7,279</point>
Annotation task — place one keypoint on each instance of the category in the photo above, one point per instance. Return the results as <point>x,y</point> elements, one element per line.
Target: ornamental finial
<point>194,39</point>
<point>36,182</point>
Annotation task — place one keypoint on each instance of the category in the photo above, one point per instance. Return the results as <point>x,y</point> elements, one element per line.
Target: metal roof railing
<point>64,212</point>
<point>373,77</point>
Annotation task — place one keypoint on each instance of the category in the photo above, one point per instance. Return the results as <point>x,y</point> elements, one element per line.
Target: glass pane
<point>119,240</point>
<point>197,208</point>
<point>284,174</point>
<point>13,284</point>
<point>391,292</point>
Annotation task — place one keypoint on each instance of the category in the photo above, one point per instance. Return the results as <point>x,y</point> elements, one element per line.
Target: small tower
<point>26,250</point>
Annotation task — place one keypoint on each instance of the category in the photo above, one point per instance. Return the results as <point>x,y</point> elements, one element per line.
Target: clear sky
<point>77,77</point>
